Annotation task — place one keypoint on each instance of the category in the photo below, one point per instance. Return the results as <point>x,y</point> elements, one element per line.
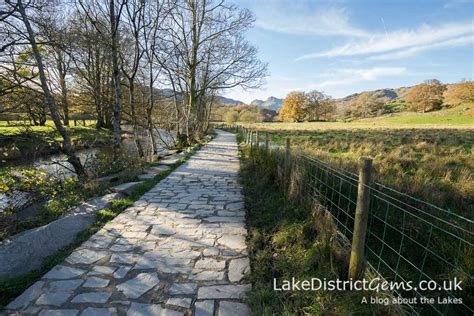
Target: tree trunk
<point>117,109</point>
<point>136,135</point>
<point>62,84</point>
<point>149,112</point>
<point>67,148</point>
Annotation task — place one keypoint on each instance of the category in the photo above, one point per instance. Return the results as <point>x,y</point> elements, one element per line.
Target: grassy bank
<point>10,288</point>
<point>19,141</point>
<point>291,237</point>
<point>406,240</point>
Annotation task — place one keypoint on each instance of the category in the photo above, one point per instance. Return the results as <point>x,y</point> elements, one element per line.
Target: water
<point>58,166</point>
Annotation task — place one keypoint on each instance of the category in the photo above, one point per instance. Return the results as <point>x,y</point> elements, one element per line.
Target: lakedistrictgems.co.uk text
<point>376,284</point>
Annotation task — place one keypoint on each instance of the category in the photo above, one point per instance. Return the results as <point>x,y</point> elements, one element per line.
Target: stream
<point>58,166</point>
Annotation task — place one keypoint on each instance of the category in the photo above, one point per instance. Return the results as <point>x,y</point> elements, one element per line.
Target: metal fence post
<point>356,263</point>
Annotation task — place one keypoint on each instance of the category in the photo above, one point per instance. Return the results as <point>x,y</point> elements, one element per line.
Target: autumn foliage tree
<point>460,93</point>
<point>293,107</point>
<point>306,106</point>
<point>426,96</point>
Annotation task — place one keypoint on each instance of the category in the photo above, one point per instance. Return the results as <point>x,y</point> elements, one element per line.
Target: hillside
<point>228,101</point>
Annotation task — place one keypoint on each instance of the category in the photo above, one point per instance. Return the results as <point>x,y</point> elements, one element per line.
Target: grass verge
<point>292,238</point>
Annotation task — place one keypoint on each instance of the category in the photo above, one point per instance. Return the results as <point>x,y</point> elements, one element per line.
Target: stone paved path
<point>178,250</point>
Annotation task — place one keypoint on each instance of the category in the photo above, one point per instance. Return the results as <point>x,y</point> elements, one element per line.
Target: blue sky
<point>342,47</point>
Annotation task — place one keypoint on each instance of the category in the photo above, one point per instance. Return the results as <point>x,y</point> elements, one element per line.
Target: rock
<point>146,176</point>
<point>179,301</point>
<point>58,312</point>
<point>169,160</point>
<point>204,308</point>
<point>27,250</point>
<point>31,294</point>
<point>157,169</point>
<point>53,298</point>
<point>86,256</point>
<point>209,252</point>
<point>109,178</point>
<point>64,286</point>
<point>235,206</point>
<point>225,219</point>
<point>63,272</point>
<point>183,288</point>
<point>238,268</point>
<point>207,275</point>
<point>92,297</point>
<point>91,311</point>
<point>121,272</point>
<point>223,291</point>
<point>126,188</point>
<point>102,270</point>
<point>234,242</point>
<point>150,310</point>
<point>31,210</point>
<point>96,282</point>
<point>233,309</point>
<point>137,286</point>
<point>210,264</point>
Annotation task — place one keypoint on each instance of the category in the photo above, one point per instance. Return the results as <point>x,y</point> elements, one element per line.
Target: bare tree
<point>50,101</point>
<point>210,54</point>
<point>132,54</point>
<point>98,12</point>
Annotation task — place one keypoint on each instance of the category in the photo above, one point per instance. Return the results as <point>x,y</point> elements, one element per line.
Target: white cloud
<point>279,86</point>
<point>455,3</point>
<point>296,18</point>
<point>424,38</point>
<point>460,41</point>
<point>350,76</point>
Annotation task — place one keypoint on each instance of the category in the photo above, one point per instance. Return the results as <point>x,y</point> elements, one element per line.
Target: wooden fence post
<point>267,141</point>
<point>257,139</point>
<point>356,263</point>
<point>287,158</point>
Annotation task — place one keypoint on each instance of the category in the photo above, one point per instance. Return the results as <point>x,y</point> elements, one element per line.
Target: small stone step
<point>126,188</point>
<point>109,178</point>
<point>157,169</point>
<point>169,160</point>
<point>146,176</point>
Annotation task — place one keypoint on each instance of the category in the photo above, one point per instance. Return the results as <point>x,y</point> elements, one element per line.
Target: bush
<point>249,117</point>
<point>231,117</point>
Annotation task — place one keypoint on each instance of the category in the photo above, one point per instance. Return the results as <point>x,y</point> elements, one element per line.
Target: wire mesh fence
<point>408,240</point>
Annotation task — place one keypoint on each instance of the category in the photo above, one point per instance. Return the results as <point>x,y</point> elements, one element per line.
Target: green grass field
<point>432,162</point>
<point>461,117</point>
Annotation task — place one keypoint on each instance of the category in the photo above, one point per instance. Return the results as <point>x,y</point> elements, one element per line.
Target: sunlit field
<point>433,163</point>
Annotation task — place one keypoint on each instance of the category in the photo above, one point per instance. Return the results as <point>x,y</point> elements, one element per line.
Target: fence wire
<point>407,239</point>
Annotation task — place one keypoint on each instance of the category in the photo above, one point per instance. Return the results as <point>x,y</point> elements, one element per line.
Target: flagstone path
<point>179,250</point>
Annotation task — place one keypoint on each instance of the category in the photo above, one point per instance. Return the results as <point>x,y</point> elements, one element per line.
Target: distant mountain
<point>168,93</point>
<point>257,102</point>
<point>270,103</point>
<point>228,101</point>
